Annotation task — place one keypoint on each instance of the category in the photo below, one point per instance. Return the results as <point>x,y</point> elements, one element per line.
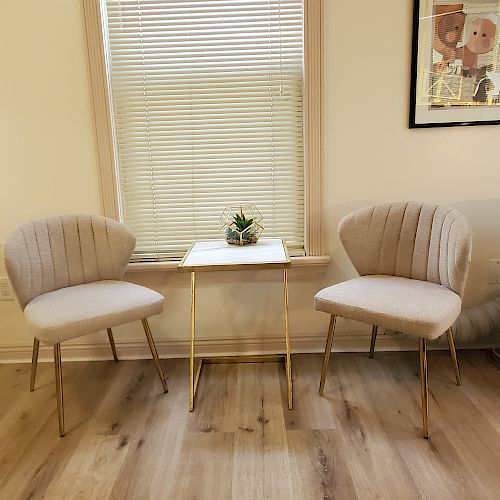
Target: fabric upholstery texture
<point>404,305</point>
<point>58,252</point>
<point>413,240</point>
<point>413,259</point>
<point>71,312</point>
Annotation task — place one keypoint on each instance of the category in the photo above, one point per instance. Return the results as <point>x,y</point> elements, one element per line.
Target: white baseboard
<point>179,348</point>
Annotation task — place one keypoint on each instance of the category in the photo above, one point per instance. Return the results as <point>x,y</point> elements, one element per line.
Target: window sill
<point>139,267</point>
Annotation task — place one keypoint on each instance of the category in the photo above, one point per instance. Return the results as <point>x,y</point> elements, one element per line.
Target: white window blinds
<point>207,98</point>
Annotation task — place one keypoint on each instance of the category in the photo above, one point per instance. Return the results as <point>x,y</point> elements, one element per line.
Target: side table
<point>217,255</point>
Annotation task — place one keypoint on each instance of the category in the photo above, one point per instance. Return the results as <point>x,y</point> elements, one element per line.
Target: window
<point>205,106</point>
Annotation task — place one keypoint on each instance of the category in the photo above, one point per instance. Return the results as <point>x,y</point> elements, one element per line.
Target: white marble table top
<point>213,255</point>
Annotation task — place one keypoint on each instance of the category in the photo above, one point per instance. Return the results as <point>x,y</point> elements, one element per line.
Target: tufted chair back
<point>413,240</point>
<point>58,252</point>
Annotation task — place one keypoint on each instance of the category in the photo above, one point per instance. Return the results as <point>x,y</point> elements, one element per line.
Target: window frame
<point>99,71</point>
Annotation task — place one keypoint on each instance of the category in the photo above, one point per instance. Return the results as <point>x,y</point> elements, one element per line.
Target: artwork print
<point>456,63</point>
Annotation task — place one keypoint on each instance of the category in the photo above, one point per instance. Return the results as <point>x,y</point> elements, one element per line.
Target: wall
<point>48,166</point>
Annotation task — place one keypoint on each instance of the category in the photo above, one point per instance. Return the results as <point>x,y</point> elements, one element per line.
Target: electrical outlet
<point>5,289</point>
<point>494,271</point>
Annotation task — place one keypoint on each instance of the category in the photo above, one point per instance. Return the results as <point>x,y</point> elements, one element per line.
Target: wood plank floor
<point>126,439</point>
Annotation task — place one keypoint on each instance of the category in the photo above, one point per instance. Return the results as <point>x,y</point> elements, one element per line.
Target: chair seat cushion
<point>70,312</point>
<point>405,305</point>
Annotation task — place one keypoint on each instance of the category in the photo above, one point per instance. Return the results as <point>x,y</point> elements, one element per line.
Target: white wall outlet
<point>5,289</point>
<point>494,271</point>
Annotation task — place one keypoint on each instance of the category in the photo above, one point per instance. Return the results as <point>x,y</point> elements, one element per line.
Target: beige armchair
<point>413,259</point>
<point>66,273</point>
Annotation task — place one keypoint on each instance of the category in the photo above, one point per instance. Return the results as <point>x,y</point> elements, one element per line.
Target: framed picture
<point>455,76</point>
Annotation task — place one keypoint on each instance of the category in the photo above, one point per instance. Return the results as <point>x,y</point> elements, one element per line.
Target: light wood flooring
<point>126,439</point>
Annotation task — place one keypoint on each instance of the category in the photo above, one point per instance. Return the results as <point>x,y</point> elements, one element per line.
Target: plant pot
<point>246,237</point>
<point>233,224</point>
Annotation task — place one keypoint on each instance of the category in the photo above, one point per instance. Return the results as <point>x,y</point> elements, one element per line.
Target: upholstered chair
<point>413,259</point>
<point>67,275</point>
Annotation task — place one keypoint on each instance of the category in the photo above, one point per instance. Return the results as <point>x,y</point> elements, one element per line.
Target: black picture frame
<point>414,120</point>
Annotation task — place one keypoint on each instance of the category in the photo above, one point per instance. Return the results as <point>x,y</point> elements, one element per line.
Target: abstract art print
<point>456,63</point>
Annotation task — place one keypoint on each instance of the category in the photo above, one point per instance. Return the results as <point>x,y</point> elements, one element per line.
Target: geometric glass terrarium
<point>241,224</point>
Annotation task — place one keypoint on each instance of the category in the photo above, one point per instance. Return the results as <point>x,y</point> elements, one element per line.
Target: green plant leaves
<point>241,222</point>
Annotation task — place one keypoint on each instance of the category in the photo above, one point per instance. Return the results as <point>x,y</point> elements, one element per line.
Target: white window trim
<point>313,128</point>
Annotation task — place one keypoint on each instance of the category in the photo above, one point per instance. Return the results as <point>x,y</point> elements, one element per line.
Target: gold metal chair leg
<point>374,339</point>
<point>287,340</point>
<point>154,352</point>
<point>191,352</point>
<point>59,388</point>
<point>112,344</point>
<point>424,386</point>
<point>453,354</point>
<point>34,363</point>
<point>328,349</point>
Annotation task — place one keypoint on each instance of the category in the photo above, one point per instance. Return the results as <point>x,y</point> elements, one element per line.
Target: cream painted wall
<point>48,157</point>
<point>48,162</point>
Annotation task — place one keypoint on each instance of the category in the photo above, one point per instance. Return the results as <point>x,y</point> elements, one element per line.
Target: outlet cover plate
<point>5,289</point>
<point>494,271</point>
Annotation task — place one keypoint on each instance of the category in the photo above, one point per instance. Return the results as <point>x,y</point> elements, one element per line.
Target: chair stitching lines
<point>394,272</point>
<point>415,240</point>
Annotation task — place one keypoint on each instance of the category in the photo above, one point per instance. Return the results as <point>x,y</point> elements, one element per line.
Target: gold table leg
<point>191,355</point>
<point>194,374</point>
<point>287,340</point>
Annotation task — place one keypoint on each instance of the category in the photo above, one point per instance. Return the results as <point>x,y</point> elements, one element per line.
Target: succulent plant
<point>241,222</point>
